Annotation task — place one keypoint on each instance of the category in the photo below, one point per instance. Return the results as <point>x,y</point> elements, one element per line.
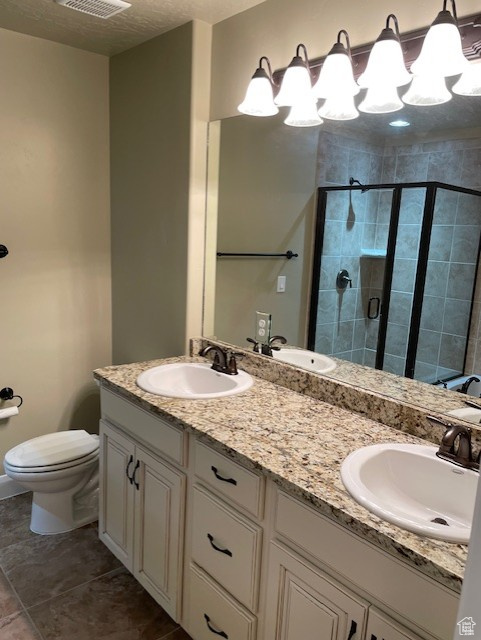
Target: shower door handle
<point>373,308</point>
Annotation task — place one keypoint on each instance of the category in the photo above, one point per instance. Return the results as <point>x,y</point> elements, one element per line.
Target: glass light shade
<point>304,115</point>
<point>339,108</point>
<point>427,91</point>
<point>381,100</point>
<point>469,84</point>
<point>296,87</point>
<point>441,53</point>
<point>336,77</point>
<point>385,66</point>
<point>259,98</point>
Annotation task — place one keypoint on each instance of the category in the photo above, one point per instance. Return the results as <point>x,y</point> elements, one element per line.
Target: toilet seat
<point>53,452</point>
<point>53,467</point>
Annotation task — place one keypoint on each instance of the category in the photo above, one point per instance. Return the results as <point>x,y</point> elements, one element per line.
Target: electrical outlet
<point>263,327</point>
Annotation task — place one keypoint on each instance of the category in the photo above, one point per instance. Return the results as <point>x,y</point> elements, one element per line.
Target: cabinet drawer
<point>151,430</point>
<point>213,614</point>
<point>387,579</point>
<point>381,627</point>
<point>227,546</point>
<point>230,479</point>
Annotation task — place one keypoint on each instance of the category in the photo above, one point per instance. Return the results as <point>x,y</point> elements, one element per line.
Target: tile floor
<point>70,587</point>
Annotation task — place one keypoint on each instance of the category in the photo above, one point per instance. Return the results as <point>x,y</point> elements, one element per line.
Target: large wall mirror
<point>265,183</point>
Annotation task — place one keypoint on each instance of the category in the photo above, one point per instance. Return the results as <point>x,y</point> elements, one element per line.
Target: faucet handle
<point>256,344</point>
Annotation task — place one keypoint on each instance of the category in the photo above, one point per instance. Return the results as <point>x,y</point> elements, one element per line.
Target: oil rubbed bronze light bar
<point>288,255</point>
<point>393,71</point>
<point>412,41</point>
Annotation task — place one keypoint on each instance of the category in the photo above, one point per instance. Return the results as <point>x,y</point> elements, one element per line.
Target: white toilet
<point>62,471</point>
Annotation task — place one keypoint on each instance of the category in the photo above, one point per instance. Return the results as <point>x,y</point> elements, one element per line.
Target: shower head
<point>352,181</point>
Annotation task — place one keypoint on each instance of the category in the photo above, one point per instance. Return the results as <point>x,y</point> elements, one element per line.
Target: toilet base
<point>54,513</point>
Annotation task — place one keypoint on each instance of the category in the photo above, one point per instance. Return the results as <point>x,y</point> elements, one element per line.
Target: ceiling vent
<point>99,8</point>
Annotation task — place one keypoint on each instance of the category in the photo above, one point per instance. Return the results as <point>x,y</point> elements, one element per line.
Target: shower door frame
<point>431,189</point>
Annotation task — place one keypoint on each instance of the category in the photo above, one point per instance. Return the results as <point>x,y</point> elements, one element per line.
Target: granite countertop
<point>300,442</point>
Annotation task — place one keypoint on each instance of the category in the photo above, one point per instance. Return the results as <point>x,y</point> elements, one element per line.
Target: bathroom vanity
<point>232,514</point>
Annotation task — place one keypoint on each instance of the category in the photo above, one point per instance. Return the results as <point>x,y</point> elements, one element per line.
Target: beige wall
<point>266,196</point>
<point>275,27</point>
<point>157,163</point>
<point>55,284</point>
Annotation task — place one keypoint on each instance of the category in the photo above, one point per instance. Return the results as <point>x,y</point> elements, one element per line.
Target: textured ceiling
<point>144,20</point>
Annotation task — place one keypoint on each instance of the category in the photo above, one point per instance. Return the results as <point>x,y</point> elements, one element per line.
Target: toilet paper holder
<point>8,394</point>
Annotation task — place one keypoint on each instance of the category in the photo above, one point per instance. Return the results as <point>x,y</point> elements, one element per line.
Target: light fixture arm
<point>301,47</point>
<point>453,7</point>
<point>269,69</point>
<point>348,42</point>
<point>392,17</point>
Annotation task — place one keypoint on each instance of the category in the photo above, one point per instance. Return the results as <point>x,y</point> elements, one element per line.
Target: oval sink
<point>310,360</point>
<point>410,486</point>
<point>466,413</point>
<point>193,380</point>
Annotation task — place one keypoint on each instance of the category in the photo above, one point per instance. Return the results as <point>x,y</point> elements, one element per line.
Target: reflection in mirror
<point>411,251</point>
<point>265,200</point>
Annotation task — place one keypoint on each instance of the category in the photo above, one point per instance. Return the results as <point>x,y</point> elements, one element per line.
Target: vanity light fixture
<point>259,98</point>
<point>339,108</point>
<point>337,77</point>
<point>385,66</point>
<point>426,91</point>
<point>442,51</point>
<point>381,100</point>
<point>296,86</point>
<point>336,82</point>
<point>304,115</point>
<point>469,84</point>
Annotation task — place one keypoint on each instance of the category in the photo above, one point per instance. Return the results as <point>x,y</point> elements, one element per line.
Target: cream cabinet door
<point>116,498</point>
<point>302,602</point>
<point>381,627</point>
<point>159,516</point>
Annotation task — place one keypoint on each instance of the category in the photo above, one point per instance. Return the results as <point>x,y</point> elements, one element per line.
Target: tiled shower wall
<point>356,225</point>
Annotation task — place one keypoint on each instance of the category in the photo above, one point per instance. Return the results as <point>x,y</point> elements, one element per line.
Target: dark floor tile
<point>17,627</point>
<point>178,634</point>
<point>15,519</point>
<point>45,566</point>
<point>9,603</point>
<point>113,607</point>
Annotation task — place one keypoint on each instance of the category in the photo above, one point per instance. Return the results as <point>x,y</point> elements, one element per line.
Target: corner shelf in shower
<point>373,253</point>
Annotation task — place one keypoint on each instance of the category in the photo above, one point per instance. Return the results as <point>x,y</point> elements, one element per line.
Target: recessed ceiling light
<point>399,123</point>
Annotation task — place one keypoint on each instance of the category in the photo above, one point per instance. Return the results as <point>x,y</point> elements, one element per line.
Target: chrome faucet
<point>224,361</point>
<point>465,386</point>
<point>456,445</point>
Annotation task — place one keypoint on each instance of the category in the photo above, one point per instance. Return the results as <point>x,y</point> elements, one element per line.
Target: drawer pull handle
<point>222,634</point>
<point>352,631</point>
<point>131,459</point>
<point>134,481</point>
<point>216,473</point>
<point>226,551</point>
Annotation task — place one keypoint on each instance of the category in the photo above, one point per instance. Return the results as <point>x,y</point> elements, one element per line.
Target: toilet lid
<point>52,449</point>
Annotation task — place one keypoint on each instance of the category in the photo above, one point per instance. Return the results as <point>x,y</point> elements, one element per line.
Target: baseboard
<point>9,488</point>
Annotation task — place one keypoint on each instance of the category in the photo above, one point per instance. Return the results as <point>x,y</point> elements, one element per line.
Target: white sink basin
<point>411,487</point>
<point>310,360</point>
<point>466,413</point>
<point>193,380</point>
